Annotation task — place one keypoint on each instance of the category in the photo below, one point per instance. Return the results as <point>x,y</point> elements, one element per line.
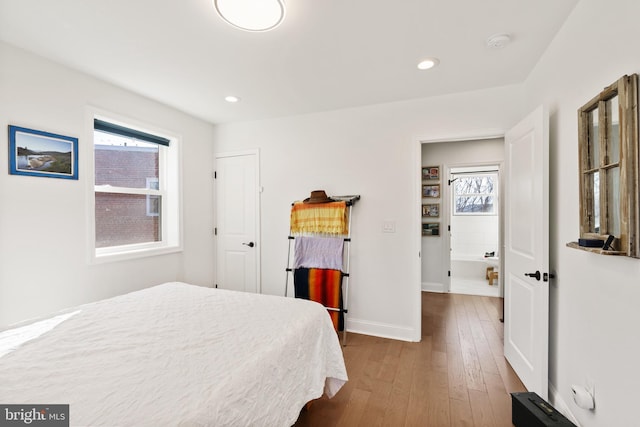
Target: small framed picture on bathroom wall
<point>431,172</point>
<point>431,229</point>
<point>431,210</point>
<point>431,191</point>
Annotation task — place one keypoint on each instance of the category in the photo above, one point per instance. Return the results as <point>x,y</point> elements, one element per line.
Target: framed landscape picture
<point>44,154</point>
<point>431,172</point>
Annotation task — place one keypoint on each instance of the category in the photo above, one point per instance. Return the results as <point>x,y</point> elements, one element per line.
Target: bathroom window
<point>608,155</point>
<point>475,193</point>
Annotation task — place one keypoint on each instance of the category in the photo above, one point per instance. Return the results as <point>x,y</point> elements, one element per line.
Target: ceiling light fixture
<point>251,15</point>
<point>231,98</point>
<point>427,63</point>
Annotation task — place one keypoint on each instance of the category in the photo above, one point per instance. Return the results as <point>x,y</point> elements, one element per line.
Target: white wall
<point>43,222</point>
<point>435,262</point>
<point>372,151</point>
<point>594,300</point>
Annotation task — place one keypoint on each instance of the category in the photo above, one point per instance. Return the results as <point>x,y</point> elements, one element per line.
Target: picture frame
<point>44,154</point>
<point>431,210</point>
<point>431,229</point>
<point>431,173</point>
<point>431,191</point>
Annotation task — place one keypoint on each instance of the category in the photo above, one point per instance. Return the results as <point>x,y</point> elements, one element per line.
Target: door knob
<point>536,275</point>
<point>250,244</point>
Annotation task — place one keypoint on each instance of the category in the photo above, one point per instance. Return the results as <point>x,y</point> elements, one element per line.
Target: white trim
<point>382,330</point>
<point>561,406</point>
<point>434,287</point>
<point>171,164</point>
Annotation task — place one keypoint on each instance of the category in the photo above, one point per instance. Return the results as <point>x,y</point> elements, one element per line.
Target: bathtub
<point>472,267</point>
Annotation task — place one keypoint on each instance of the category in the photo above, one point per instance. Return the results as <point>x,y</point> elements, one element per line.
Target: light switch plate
<point>388,226</point>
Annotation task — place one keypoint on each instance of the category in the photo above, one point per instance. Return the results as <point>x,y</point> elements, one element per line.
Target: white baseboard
<point>433,287</point>
<point>558,402</point>
<point>381,330</point>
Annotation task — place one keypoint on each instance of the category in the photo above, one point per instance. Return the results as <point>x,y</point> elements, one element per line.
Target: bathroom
<point>464,256</point>
<point>474,230</point>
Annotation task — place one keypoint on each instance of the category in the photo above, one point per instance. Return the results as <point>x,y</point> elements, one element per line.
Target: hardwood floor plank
<point>500,400</point>
<point>461,415</point>
<point>472,366</point>
<point>481,409</point>
<point>457,378</point>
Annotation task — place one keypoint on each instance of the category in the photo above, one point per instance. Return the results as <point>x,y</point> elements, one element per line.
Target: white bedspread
<point>180,355</point>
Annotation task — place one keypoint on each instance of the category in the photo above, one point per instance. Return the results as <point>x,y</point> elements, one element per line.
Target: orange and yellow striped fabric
<point>323,218</point>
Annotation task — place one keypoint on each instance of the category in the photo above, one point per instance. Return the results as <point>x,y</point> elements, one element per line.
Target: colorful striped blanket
<point>323,218</point>
<point>323,286</point>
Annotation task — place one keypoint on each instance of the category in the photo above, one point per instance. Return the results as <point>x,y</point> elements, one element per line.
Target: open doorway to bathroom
<point>447,157</point>
<point>474,229</point>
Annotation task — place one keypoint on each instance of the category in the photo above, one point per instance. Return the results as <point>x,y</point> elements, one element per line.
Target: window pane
<point>596,203</point>
<point>474,184</point>
<point>123,162</point>
<point>124,219</point>
<point>613,130</point>
<point>594,140</point>
<point>474,204</point>
<point>613,201</point>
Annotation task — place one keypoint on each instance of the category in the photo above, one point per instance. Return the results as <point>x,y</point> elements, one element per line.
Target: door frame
<point>258,239</point>
<point>417,208</point>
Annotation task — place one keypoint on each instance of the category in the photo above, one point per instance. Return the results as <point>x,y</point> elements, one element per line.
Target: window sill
<point>599,251</point>
<point>124,255</point>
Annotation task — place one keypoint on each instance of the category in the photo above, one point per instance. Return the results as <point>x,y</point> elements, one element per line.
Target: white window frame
<point>170,191</point>
<point>494,194</point>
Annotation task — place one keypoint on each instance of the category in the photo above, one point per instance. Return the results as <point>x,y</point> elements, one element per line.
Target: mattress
<point>179,355</point>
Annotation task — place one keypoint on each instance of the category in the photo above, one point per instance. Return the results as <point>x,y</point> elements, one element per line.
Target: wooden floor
<point>456,376</point>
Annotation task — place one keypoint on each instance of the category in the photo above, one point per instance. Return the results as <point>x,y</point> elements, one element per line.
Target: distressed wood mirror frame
<point>608,159</point>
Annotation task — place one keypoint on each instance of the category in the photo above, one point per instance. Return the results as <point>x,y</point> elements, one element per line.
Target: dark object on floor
<point>530,410</point>
<point>489,254</point>
<point>590,243</point>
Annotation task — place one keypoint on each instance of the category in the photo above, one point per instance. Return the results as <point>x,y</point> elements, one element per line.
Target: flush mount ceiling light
<point>427,63</point>
<point>498,41</point>
<point>231,98</point>
<point>251,15</point>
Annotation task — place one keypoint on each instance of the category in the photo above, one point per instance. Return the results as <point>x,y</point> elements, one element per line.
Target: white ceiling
<point>328,54</point>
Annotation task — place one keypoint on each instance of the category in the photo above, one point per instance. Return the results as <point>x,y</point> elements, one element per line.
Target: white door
<point>526,316</point>
<point>237,224</point>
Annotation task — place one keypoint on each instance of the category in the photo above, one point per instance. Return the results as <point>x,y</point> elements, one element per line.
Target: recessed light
<point>231,98</point>
<point>427,63</point>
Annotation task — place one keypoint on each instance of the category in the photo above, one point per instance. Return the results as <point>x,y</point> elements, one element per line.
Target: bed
<point>177,355</point>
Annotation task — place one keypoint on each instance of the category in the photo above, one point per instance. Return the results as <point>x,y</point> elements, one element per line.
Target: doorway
<point>475,230</point>
<point>237,229</point>
<point>453,156</point>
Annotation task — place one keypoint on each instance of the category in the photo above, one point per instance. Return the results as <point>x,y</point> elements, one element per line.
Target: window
<point>475,193</point>
<point>608,152</point>
<point>135,188</point>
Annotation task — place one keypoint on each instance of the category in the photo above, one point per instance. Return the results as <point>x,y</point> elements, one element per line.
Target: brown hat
<point>317,196</point>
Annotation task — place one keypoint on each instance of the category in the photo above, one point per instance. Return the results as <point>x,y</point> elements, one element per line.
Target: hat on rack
<point>318,196</point>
